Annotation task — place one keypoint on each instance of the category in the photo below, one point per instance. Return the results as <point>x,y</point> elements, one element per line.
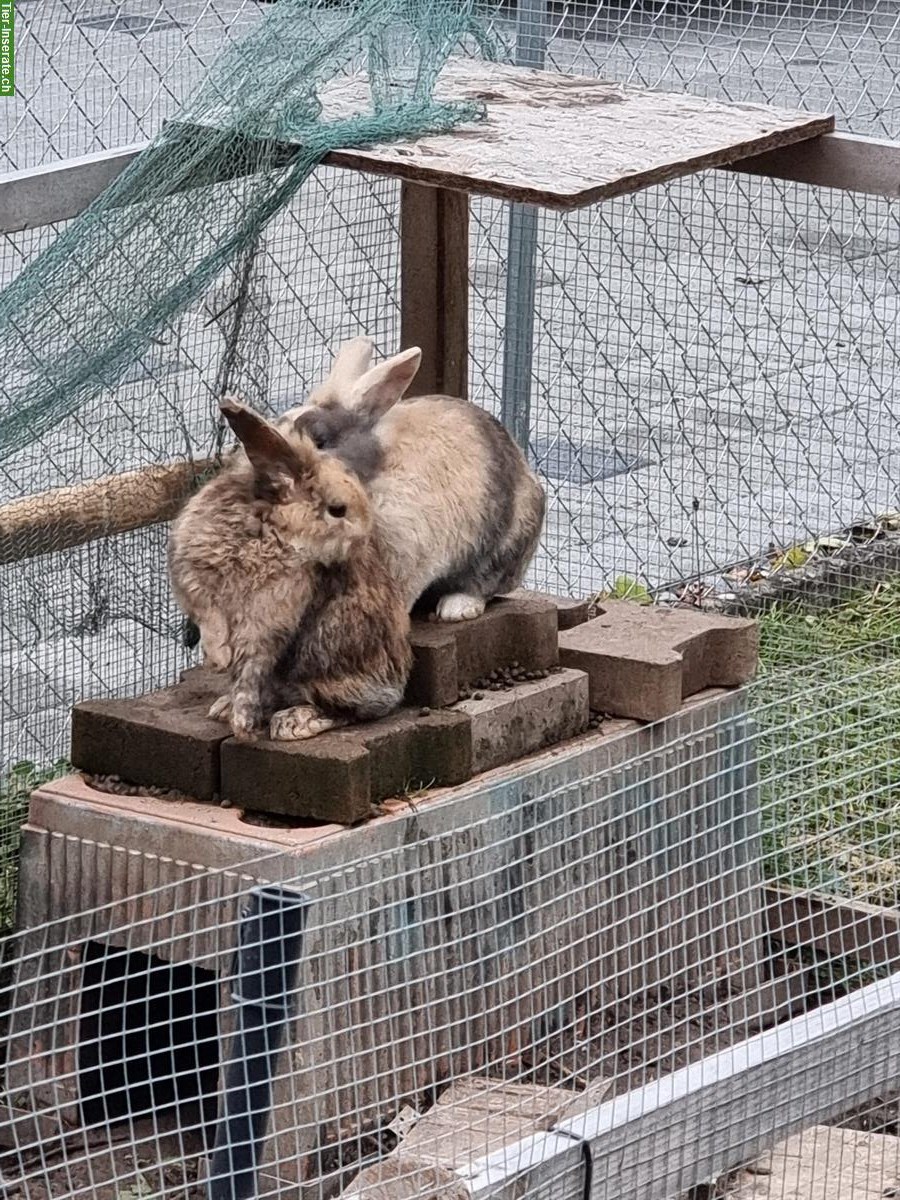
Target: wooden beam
<point>434,286</point>
<point>59,191</point>
<point>71,516</point>
<point>704,1120</point>
<point>836,928</point>
<point>836,160</point>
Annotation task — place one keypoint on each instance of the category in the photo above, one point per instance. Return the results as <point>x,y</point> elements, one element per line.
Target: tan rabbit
<point>457,508</point>
<point>277,563</point>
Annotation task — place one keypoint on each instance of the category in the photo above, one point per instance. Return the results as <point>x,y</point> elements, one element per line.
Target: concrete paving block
<point>569,612</point>
<point>472,1119</point>
<point>643,661</point>
<point>339,775</point>
<point>325,778</point>
<point>163,739</point>
<point>521,629</point>
<point>508,725</point>
<point>413,749</point>
<point>434,678</point>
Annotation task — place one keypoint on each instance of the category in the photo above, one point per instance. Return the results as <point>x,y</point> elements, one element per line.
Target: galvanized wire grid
<point>594,927</point>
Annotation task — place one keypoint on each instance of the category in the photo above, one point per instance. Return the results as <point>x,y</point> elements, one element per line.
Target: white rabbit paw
<point>302,721</point>
<point>457,606</point>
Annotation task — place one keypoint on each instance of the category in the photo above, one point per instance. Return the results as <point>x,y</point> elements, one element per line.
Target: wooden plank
<point>689,1127</point>
<point>837,160</point>
<point>71,516</point>
<point>566,141</point>
<point>60,191</point>
<point>434,286</point>
<point>824,1163</point>
<point>837,928</point>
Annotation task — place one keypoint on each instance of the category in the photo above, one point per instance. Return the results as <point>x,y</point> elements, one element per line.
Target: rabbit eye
<point>337,510</point>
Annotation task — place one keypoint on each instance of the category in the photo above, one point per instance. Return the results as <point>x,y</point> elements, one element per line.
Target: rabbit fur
<point>276,561</point>
<point>457,508</point>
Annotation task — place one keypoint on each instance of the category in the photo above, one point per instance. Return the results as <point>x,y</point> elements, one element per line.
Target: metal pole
<point>518,338</point>
<point>266,966</point>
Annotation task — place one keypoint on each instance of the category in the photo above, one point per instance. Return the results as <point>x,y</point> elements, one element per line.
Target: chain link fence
<point>93,77</point>
<point>711,370</point>
<point>713,360</point>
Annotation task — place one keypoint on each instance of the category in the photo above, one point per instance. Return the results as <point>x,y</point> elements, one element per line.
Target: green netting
<point>265,116</point>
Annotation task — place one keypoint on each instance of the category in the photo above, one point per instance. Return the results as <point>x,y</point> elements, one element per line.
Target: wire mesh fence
<point>708,379</point>
<point>481,971</point>
<point>91,79</point>
<point>94,80</point>
<point>710,373</point>
<point>98,618</point>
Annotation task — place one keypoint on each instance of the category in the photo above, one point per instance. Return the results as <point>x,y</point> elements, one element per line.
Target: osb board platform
<point>567,141</point>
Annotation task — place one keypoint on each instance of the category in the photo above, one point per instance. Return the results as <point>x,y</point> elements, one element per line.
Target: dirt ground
<point>170,1168</point>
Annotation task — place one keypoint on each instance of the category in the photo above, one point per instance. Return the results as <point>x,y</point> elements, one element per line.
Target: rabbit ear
<point>351,361</point>
<point>384,385</point>
<point>276,463</point>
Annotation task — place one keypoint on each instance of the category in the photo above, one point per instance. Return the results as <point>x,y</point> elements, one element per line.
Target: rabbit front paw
<point>246,717</point>
<point>457,606</point>
<point>220,710</point>
<point>302,721</point>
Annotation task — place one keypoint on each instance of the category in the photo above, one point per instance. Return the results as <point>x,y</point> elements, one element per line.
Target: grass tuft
<point>829,716</point>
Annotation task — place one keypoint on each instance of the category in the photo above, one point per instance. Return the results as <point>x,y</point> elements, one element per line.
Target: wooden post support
<point>870,166</point>
<point>71,516</point>
<point>434,286</point>
<point>835,927</point>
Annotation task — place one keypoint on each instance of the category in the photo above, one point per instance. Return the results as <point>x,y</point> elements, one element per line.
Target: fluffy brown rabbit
<point>277,563</point>
<point>457,508</point>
